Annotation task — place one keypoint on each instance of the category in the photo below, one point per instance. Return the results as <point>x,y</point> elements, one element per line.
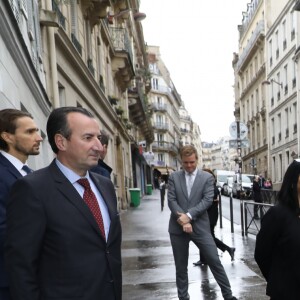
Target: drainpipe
<point>52,58</point>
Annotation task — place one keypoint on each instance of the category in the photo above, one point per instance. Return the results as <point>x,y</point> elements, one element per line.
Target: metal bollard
<point>231,213</point>
<point>220,211</point>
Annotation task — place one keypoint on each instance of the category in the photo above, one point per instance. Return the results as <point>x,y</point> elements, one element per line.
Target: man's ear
<point>60,141</point>
<point>7,137</point>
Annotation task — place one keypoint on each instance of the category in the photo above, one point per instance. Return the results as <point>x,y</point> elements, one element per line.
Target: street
<point>148,266</point>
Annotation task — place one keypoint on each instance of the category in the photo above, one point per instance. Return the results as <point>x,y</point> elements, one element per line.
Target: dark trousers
<point>162,198</point>
<point>256,209</point>
<point>220,245</point>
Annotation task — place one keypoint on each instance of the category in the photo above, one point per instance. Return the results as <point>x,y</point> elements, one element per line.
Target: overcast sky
<point>197,39</point>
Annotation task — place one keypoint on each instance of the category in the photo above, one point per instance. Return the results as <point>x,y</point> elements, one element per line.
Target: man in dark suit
<point>19,138</point>
<point>63,236</point>
<point>190,194</point>
<point>102,168</point>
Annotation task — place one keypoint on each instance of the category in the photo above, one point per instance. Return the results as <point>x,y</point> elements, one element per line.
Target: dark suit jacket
<point>277,252</point>
<point>54,246</point>
<point>8,175</point>
<point>102,168</point>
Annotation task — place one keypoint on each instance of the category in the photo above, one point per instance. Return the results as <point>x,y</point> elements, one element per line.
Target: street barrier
<point>253,223</point>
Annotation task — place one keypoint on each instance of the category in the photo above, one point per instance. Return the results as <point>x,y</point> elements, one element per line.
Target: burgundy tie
<point>91,201</point>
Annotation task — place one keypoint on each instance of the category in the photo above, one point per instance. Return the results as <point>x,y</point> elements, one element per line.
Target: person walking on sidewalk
<point>213,214</point>
<point>256,196</point>
<point>190,194</point>
<point>162,188</point>
<point>277,243</point>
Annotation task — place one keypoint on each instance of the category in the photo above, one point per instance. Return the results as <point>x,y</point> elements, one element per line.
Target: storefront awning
<point>164,170</point>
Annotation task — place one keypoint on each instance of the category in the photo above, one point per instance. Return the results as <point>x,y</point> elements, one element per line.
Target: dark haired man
<point>19,138</point>
<point>102,168</point>
<point>63,227</point>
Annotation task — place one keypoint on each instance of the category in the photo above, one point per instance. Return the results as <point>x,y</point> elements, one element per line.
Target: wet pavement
<point>148,265</point>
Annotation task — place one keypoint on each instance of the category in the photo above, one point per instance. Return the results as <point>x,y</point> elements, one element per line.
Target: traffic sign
<point>233,130</point>
<point>239,143</point>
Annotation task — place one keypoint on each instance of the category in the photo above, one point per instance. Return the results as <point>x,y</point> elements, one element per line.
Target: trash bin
<point>135,195</point>
<point>149,189</point>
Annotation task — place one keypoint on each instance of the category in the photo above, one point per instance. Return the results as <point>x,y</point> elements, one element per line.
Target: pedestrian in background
<point>63,226</point>
<point>277,243</point>
<point>102,168</point>
<point>162,188</point>
<point>19,138</point>
<point>256,196</point>
<point>213,214</point>
<point>190,194</point>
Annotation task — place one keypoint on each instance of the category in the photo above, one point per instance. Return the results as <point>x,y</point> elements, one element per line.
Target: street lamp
<point>271,81</point>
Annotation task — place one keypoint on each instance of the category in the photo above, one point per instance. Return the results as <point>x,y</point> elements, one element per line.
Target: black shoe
<point>231,253</point>
<point>232,298</point>
<point>199,263</point>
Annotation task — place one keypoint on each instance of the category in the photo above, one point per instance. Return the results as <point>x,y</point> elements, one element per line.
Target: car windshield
<point>222,178</point>
<point>247,179</point>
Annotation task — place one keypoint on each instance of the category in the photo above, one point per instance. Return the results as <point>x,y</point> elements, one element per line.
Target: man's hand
<point>188,228</point>
<point>183,219</point>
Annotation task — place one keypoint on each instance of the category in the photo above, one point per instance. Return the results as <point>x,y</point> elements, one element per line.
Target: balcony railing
<point>61,18</point>
<point>259,30</point>
<point>184,130</point>
<point>159,106</point>
<point>164,146</point>
<point>121,40</point>
<point>76,43</point>
<point>161,125</point>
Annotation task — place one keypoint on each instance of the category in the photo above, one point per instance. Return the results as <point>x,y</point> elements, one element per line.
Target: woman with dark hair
<point>278,241</point>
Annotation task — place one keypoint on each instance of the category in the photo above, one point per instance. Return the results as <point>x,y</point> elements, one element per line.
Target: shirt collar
<point>15,161</point>
<point>71,175</point>
<point>191,174</point>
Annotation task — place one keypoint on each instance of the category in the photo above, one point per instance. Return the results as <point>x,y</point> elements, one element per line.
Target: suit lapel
<point>10,167</point>
<point>71,194</point>
<point>183,184</point>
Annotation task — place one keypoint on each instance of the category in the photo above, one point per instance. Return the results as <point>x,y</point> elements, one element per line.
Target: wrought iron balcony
<point>138,111</point>
<point>159,106</point>
<point>76,43</point>
<point>258,35</point>
<point>61,18</point>
<point>161,126</point>
<point>122,62</point>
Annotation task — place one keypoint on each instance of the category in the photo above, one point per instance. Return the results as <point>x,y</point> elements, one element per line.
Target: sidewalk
<point>148,265</point>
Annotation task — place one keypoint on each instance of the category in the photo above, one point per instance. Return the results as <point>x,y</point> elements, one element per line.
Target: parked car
<point>221,177</point>
<point>242,189</point>
<point>227,186</point>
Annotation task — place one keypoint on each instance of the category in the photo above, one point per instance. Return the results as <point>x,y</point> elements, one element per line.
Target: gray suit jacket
<point>200,200</point>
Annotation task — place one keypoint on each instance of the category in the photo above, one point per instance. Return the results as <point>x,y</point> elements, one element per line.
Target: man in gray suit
<point>190,194</point>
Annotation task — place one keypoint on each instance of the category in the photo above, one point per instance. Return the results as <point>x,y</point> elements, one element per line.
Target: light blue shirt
<point>73,178</point>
